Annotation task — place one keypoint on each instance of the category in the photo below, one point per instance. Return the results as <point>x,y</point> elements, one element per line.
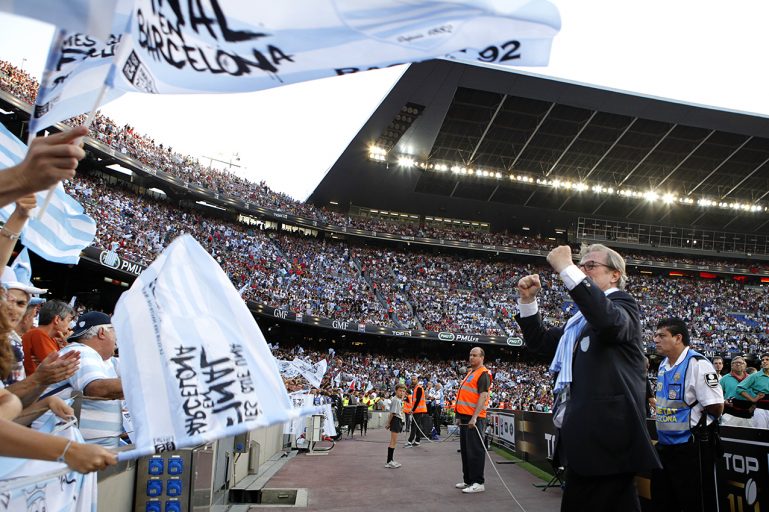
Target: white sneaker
<point>461,485</point>
<point>392,465</point>
<point>396,464</point>
<point>474,488</point>
<point>408,445</point>
<point>416,443</point>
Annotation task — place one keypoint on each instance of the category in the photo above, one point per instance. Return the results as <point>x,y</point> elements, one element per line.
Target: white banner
<point>287,368</point>
<point>188,342</point>
<point>313,373</point>
<point>36,485</point>
<point>76,71</point>
<point>247,45</point>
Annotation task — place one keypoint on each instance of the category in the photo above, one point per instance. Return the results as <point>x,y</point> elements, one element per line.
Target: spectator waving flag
<point>187,339</point>
<point>64,230</point>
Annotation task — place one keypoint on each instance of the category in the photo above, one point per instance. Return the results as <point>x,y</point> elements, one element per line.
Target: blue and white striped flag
<point>92,17</point>
<point>187,340</point>
<point>64,230</point>
<point>75,76</point>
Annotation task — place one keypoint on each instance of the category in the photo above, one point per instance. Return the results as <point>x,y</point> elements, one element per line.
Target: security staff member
<point>689,398</point>
<point>472,402</point>
<point>419,410</point>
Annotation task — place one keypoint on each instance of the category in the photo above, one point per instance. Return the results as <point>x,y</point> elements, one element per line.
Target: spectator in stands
<point>734,414</point>
<point>101,419</point>
<point>54,318</point>
<point>27,321</point>
<point>755,388</point>
<point>601,351</point>
<point>718,364</point>
<point>19,441</point>
<point>17,299</point>
<point>55,368</point>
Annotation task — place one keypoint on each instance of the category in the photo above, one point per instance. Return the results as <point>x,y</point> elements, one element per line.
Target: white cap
<point>11,282</point>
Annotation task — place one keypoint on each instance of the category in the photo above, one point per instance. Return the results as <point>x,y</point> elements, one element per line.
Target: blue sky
<point>700,52</point>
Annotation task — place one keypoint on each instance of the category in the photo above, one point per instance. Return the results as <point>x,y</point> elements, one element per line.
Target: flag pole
<point>87,124</point>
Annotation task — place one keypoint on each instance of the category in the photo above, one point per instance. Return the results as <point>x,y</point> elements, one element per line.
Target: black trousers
<point>437,418</point>
<point>605,493</point>
<point>471,447</point>
<point>416,426</point>
<point>687,480</point>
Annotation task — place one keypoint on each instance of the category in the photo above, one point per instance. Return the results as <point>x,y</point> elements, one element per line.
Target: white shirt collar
<point>681,356</point>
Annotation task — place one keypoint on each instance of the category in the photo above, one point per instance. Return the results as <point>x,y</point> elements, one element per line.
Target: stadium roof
<point>518,128</point>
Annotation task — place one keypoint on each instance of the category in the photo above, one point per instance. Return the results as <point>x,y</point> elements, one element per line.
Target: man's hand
<point>471,423</point>
<point>528,288</point>
<point>50,160</point>
<point>59,407</point>
<point>560,258</point>
<point>55,368</point>
<point>85,458</point>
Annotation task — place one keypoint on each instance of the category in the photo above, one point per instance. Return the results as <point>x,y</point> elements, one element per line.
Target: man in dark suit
<point>600,384</point>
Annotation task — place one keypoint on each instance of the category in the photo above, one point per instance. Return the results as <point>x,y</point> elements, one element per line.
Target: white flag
<point>64,230</point>
<point>27,484</point>
<point>287,368</point>
<point>313,373</point>
<point>75,75</point>
<point>187,340</point>
<point>247,45</point>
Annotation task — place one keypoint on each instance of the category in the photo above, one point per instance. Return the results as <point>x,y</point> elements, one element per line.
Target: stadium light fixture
<point>406,161</point>
<point>651,196</point>
<point>669,198</point>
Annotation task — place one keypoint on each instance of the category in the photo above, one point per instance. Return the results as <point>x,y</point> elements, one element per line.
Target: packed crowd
<point>401,287</point>
<point>357,374</point>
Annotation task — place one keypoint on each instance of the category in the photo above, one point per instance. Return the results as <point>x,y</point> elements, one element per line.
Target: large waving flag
<point>75,75</point>
<point>246,45</point>
<point>64,230</point>
<point>187,340</point>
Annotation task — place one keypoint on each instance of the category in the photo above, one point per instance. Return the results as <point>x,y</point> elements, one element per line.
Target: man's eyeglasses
<point>592,265</point>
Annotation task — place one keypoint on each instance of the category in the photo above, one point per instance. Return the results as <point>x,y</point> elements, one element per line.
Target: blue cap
<point>88,320</point>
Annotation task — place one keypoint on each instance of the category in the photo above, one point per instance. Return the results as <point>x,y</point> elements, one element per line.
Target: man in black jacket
<point>600,384</point>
